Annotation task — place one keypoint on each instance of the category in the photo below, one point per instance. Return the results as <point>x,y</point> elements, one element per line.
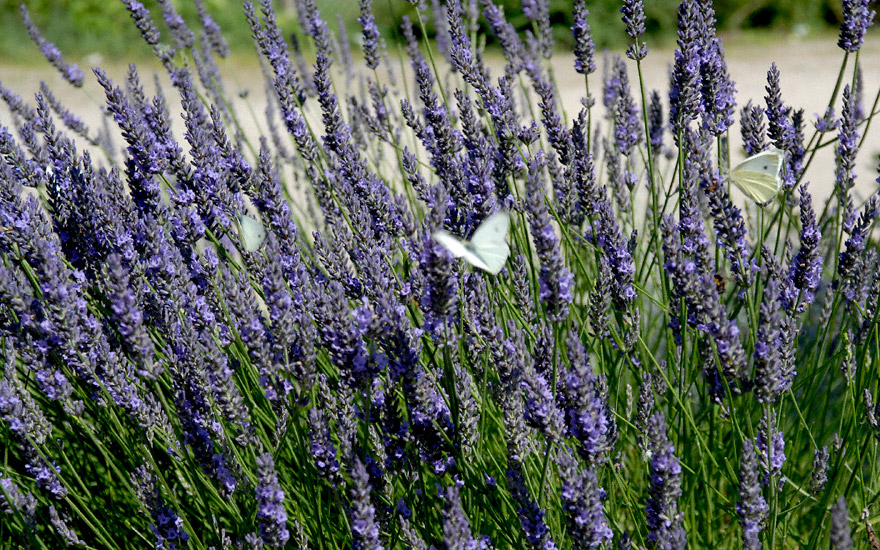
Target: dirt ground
<point>808,67</point>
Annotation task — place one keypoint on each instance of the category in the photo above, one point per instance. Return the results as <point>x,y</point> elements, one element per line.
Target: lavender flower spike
<point>270,503</point>
<point>582,503</point>
<point>841,536</point>
<point>584,48</point>
<point>556,281</point>
<point>456,527</point>
<point>665,528</point>
<point>70,71</point>
<point>806,267</point>
<point>371,34</point>
<point>752,508</point>
<point>856,20</point>
<point>363,515</point>
<point>634,17</point>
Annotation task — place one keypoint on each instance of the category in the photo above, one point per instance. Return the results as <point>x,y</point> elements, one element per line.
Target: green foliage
<point>80,27</point>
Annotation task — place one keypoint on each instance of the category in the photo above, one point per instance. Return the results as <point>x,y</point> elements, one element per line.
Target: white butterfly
<point>487,249</point>
<point>759,175</point>
<point>252,233</point>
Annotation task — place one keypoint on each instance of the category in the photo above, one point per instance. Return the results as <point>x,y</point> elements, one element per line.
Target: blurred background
<point>83,27</point>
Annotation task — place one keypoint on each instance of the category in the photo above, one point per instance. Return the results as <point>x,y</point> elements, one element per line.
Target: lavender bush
<point>658,365</point>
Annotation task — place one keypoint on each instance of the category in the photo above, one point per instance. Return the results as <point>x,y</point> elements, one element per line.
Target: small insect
<point>720,283</point>
<point>252,233</point>
<point>759,176</point>
<point>487,249</point>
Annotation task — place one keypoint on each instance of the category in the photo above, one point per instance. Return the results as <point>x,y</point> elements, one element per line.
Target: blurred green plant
<point>80,27</point>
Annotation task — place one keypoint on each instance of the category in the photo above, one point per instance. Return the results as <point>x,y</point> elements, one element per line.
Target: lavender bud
<point>752,127</point>
<point>627,117</point>
<point>770,445</point>
<point>752,508</point>
<point>655,122</point>
<point>847,149</point>
<point>538,11</point>
<point>718,90</point>
<point>456,527</point>
<point>805,271</point>
<point>820,470</point>
<point>769,380</point>
<point>531,516</point>
<point>684,89</point>
<point>167,525</point>
<point>13,499</point>
<point>872,414</point>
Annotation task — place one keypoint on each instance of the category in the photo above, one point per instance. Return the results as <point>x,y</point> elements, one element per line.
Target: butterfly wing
<point>489,242</point>
<point>459,248</point>
<point>759,176</point>
<point>454,245</point>
<point>252,232</point>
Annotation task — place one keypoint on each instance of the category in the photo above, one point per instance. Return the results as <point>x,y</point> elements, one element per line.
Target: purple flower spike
<point>370,33</point>
<point>665,528</point>
<point>456,527</point>
<point>752,508</point>
<point>718,90</point>
<point>806,267</point>
<point>847,149</point>
<point>584,399</point>
<point>538,11</point>
<point>820,470</point>
<point>531,516</point>
<point>556,281</point>
<point>167,526</point>
<point>364,528</point>
<point>752,127</point>
<point>584,48</point>
<point>841,536</point>
<point>770,444</point>
<point>142,20</point>
<point>770,376</point>
<point>582,499</point>
<point>634,17</point>
<point>856,20</point>
<point>684,89</point>
<point>70,71</point>
<point>627,116</point>
<point>271,515</point>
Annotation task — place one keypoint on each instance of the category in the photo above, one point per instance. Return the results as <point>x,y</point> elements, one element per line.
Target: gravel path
<point>808,68</point>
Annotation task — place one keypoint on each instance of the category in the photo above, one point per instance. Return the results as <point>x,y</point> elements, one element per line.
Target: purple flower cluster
<point>69,71</point>
<point>584,48</point>
<point>634,18</point>
<point>556,281</point>
<point>857,17</point>
<point>237,335</point>
<point>665,529</point>
<point>752,508</point>
<point>582,502</point>
<point>270,503</point>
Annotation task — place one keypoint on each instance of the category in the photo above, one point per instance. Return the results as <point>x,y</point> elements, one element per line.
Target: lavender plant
<point>347,382</point>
